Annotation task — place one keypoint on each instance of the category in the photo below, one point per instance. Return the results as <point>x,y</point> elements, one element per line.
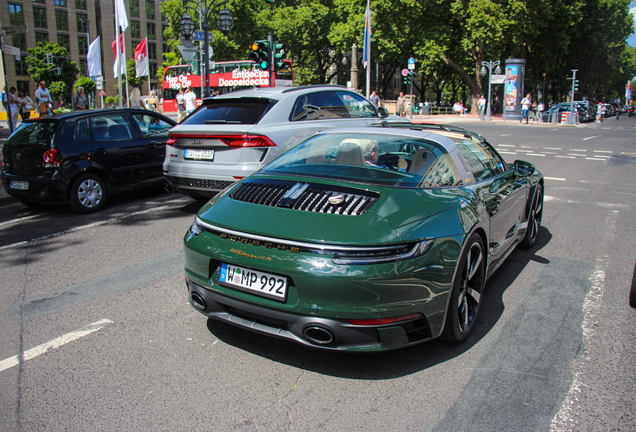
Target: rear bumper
<point>316,332</point>
<point>200,186</point>
<point>41,189</point>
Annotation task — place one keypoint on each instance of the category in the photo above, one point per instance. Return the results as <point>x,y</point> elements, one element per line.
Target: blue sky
<point>632,8</point>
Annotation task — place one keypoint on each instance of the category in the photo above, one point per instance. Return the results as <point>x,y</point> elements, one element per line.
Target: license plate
<point>256,282</point>
<point>198,154</point>
<point>18,184</point>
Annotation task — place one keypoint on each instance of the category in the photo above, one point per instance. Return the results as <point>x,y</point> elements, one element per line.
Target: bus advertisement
<point>225,77</point>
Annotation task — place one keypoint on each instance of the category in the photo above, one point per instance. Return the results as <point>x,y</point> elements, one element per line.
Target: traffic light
<point>260,54</point>
<point>576,85</point>
<point>59,71</point>
<point>407,79</point>
<point>49,58</point>
<point>280,53</point>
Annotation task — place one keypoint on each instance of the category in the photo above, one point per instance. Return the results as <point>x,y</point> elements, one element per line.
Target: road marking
<point>626,153</point>
<point>565,419</point>
<point>505,145</point>
<point>550,153</point>
<point>505,152</point>
<point>92,225</point>
<point>599,159</point>
<point>566,157</point>
<point>555,178</point>
<point>525,151</point>
<point>553,148</point>
<point>528,147</point>
<point>602,151</point>
<point>575,154</point>
<point>592,137</point>
<point>25,218</point>
<point>505,135</point>
<point>53,344</point>
<point>535,154</point>
<point>577,150</point>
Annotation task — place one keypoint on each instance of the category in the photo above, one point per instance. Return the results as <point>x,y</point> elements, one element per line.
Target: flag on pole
<point>120,10</point>
<point>94,58</point>
<point>141,58</point>
<point>628,91</point>
<point>366,51</point>
<point>121,49</point>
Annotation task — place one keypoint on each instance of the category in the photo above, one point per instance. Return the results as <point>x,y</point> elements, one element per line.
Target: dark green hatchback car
<point>363,239</point>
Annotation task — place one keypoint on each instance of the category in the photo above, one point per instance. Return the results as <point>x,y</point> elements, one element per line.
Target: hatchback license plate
<point>198,154</point>
<point>19,184</point>
<point>253,281</point>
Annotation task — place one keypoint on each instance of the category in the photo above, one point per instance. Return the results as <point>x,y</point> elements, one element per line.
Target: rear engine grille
<point>306,197</point>
<point>199,183</point>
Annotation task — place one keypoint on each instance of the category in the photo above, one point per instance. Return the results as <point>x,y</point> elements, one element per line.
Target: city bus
<point>224,77</point>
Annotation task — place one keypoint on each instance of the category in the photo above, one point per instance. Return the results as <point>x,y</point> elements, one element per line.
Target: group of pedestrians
<point>21,104</point>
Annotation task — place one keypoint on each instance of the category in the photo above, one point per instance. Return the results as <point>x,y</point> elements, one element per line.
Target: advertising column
<point>513,88</point>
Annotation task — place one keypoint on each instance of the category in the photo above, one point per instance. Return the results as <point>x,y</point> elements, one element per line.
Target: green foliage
<point>57,88</point>
<point>40,70</point>
<point>86,82</point>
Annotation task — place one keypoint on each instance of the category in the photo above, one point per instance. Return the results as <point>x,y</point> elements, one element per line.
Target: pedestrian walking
<point>26,105</point>
<point>181,108</point>
<point>375,99</point>
<point>482,106</point>
<point>135,99</point>
<point>525,108</point>
<point>401,103</point>
<point>80,102</point>
<point>190,101</point>
<point>618,111</point>
<point>599,112</point>
<point>153,102</point>
<point>12,100</point>
<point>43,99</point>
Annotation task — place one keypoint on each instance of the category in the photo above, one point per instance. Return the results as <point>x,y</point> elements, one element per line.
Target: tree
<point>87,83</point>
<point>40,70</point>
<point>57,89</point>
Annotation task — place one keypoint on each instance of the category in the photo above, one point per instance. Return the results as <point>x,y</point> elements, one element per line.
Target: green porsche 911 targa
<point>364,239</point>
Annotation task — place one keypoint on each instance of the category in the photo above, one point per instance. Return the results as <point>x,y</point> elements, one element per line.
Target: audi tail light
<point>233,141</point>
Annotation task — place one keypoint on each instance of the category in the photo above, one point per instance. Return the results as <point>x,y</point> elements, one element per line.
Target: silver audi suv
<point>234,135</point>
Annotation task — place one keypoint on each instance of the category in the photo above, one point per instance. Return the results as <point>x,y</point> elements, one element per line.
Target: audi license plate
<point>18,184</point>
<point>198,154</point>
<point>260,283</point>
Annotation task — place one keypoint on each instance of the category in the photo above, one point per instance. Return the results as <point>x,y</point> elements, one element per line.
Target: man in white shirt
<point>190,101</point>
<point>43,98</point>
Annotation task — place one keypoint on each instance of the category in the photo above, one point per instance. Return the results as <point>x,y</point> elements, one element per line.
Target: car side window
<point>357,106</point>
<point>152,126</point>
<point>481,159</point>
<point>81,130</point>
<point>110,127</point>
<point>319,106</point>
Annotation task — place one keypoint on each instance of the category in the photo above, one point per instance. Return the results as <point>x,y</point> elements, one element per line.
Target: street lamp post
<point>224,23</point>
<point>489,65</point>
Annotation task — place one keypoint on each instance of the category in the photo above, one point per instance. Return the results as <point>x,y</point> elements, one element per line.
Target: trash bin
<point>426,110</point>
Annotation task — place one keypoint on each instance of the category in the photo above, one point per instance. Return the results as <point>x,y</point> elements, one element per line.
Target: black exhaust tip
<point>319,335</point>
<point>197,301</point>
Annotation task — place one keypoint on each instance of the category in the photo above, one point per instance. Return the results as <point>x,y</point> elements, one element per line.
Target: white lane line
<point>553,148</point>
<point>604,205</point>
<point>600,159</point>
<point>566,418</point>
<point>505,152</point>
<point>627,153</point>
<point>505,145</point>
<point>555,178</point>
<point>592,137</point>
<point>576,154</point>
<point>525,151</point>
<point>505,135</point>
<point>579,150</point>
<point>25,218</point>
<point>55,343</point>
<point>550,153</point>
<point>566,157</point>
<point>535,154</point>
<point>602,151</point>
<point>528,147</point>
<point>104,222</point>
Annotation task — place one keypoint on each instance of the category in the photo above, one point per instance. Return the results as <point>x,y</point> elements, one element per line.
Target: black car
<point>85,156</point>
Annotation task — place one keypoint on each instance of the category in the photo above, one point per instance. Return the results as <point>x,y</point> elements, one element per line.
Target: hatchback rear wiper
<point>221,121</point>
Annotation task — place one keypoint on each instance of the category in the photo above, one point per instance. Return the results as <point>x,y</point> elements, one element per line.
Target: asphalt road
<point>98,306</point>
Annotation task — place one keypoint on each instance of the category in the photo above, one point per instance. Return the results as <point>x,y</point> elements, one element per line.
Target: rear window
<point>236,111</point>
<point>39,132</point>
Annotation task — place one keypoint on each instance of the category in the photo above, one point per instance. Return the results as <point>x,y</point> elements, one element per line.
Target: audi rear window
<point>233,111</point>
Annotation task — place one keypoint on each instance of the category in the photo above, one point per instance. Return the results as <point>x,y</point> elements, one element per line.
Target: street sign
<point>411,63</point>
<point>98,83</point>
<point>14,29</point>
<point>102,93</point>
<point>497,79</point>
<point>11,50</point>
<point>197,36</point>
<point>405,72</point>
<point>188,53</point>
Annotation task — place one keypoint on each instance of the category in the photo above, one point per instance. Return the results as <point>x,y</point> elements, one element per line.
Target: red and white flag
<point>123,61</point>
<point>141,58</point>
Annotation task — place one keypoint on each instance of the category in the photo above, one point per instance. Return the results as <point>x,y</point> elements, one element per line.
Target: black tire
<point>88,194</point>
<point>632,292</point>
<point>467,292</point>
<point>534,219</point>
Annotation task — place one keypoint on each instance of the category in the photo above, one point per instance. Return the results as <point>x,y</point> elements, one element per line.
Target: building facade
<point>74,24</point>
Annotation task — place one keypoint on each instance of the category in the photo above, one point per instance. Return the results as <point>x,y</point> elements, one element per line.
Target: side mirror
<point>523,168</point>
<point>384,113</point>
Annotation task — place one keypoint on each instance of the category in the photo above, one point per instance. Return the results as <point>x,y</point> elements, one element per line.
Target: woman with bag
<point>26,105</point>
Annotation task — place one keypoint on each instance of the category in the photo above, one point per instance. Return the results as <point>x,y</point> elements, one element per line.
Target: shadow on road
<point>391,364</point>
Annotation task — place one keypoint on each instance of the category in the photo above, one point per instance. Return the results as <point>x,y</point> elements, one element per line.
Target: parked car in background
<point>85,156</point>
<point>560,108</point>
<point>631,110</point>
<point>234,135</point>
<point>364,239</point>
